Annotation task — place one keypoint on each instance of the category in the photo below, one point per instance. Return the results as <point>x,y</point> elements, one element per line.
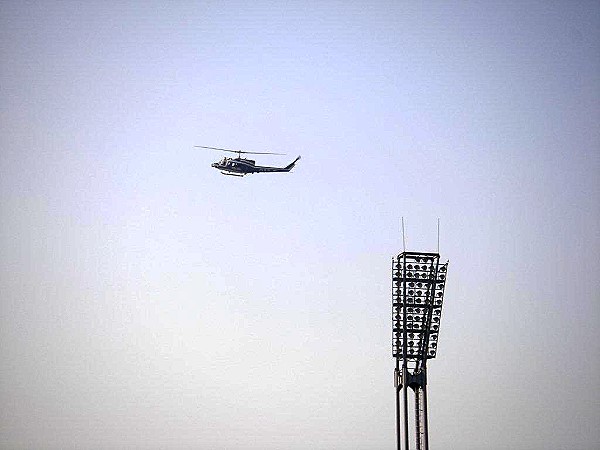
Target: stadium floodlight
<point>418,282</point>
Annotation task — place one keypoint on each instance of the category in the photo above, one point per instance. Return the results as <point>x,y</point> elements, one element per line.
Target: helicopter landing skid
<point>233,174</point>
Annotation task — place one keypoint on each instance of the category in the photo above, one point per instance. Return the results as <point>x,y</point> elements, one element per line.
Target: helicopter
<point>239,166</point>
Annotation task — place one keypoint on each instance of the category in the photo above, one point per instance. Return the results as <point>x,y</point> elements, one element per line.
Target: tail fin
<point>293,163</point>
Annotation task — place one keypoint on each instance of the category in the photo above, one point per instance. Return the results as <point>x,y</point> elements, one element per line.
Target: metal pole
<point>405,395</point>
<point>418,418</point>
<point>425,421</point>
<point>397,386</point>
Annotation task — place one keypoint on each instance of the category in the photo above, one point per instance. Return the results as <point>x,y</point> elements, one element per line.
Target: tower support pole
<point>405,399</point>
<point>418,424</point>
<point>425,420</point>
<point>398,386</point>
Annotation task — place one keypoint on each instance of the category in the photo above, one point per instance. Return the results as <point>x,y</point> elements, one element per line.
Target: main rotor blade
<point>238,151</point>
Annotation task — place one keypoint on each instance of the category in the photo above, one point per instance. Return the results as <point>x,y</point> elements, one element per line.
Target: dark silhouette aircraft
<point>241,166</point>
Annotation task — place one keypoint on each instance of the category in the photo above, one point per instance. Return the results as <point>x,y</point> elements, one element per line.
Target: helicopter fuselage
<point>242,166</point>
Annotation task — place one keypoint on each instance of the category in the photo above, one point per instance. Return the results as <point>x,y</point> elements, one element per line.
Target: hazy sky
<point>148,301</point>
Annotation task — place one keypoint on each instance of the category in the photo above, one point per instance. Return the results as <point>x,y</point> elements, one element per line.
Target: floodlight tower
<point>418,281</point>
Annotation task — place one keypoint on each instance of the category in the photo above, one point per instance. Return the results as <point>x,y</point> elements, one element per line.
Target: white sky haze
<point>147,301</point>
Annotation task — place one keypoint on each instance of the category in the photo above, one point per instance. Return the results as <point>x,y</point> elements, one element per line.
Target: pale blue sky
<point>147,301</point>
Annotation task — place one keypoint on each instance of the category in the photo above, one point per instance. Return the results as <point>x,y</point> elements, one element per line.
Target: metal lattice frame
<point>417,296</point>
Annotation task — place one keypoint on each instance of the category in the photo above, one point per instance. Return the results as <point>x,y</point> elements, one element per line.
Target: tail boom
<point>277,169</point>
<point>292,164</point>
